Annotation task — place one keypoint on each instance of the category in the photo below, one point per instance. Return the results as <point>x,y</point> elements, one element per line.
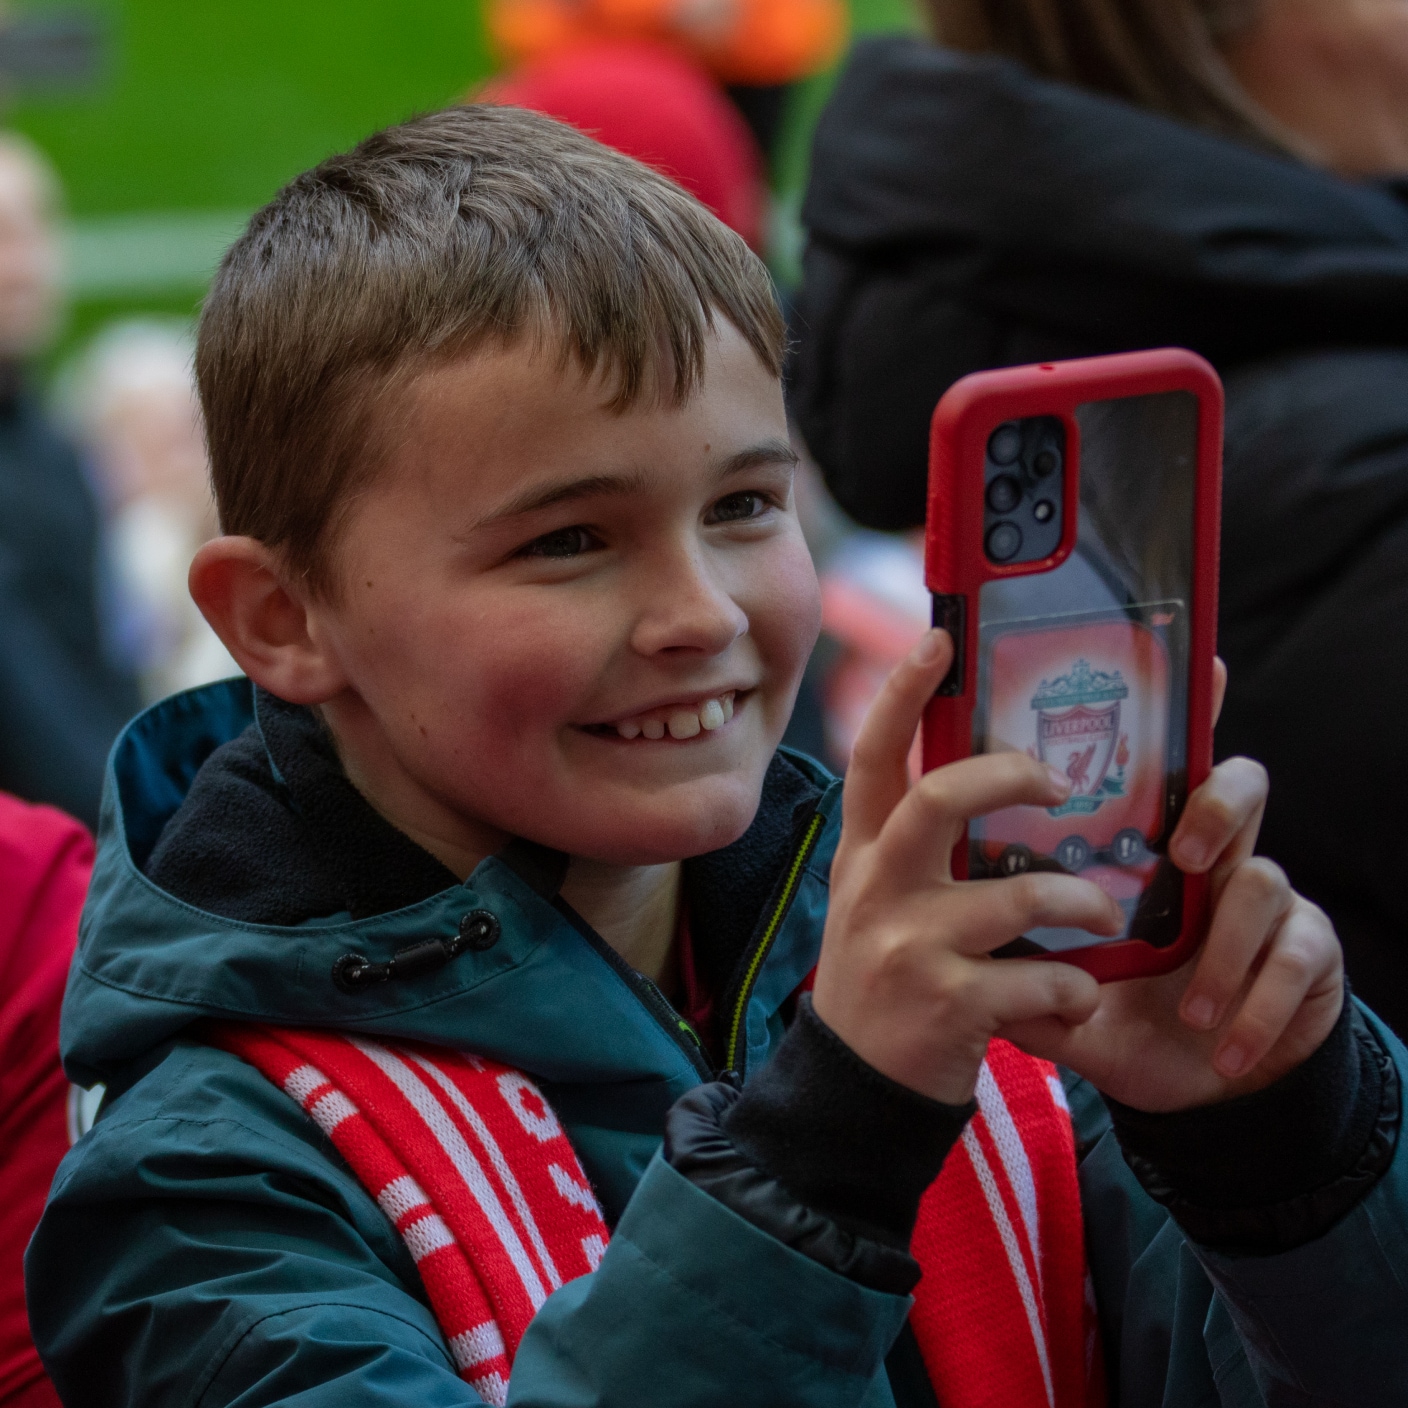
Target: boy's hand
<point>904,977</point>
<point>1258,998</point>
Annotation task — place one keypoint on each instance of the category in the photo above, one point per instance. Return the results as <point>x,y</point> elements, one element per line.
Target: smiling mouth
<point>680,722</point>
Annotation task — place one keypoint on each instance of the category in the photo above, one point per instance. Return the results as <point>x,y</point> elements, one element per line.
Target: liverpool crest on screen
<point>1078,731</point>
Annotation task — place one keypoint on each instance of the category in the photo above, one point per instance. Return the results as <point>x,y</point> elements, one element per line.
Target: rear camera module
<point>1023,492</point>
<point>1004,493</point>
<point>1004,542</point>
<point>1005,443</point>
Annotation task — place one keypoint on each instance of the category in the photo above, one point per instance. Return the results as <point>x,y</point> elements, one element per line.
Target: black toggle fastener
<point>478,931</point>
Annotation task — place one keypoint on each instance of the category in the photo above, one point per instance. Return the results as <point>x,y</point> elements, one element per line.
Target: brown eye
<point>737,508</point>
<point>563,542</point>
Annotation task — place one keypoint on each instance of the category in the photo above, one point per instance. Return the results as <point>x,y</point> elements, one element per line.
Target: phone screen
<point>1086,667</point>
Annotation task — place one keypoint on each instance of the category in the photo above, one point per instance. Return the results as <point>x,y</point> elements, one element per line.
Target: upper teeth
<point>683,722</point>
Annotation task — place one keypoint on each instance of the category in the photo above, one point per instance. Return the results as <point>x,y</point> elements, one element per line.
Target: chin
<point>658,831</point>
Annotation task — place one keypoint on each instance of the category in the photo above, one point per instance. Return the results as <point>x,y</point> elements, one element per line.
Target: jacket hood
<point>1061,207</point>
<point>542,998</point>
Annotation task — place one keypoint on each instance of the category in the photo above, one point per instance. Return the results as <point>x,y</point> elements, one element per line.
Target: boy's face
<point>575,626</point>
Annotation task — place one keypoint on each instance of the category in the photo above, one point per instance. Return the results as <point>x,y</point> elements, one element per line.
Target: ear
<point>1219,687</point>
<point>241,589</point>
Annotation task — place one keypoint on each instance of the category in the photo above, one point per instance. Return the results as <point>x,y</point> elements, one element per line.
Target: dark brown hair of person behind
<point>466,227</point>
<point>1159,54</point>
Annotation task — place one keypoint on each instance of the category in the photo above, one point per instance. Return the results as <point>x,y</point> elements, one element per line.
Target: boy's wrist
<point>1269,1171</point>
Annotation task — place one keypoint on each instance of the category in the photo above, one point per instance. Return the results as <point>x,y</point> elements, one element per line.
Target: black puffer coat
<point>963,214</point>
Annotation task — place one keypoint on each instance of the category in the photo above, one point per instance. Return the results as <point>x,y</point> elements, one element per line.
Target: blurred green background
<point>201,109</point>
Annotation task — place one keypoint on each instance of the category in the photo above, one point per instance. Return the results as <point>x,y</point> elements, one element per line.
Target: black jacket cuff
<point>1268,1172</point>
<point>822,1151</point>
<point>845,1140</point>
<point>697,1147</point>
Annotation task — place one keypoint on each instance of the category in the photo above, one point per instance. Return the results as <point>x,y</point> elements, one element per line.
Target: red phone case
<point>956,567</point>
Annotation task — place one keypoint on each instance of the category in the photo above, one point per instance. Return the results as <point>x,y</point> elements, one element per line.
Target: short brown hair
<point>470,226</point>
<point>1159,54</point>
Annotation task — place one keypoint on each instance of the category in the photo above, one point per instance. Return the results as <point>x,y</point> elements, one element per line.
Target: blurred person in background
<point>62,700</point>
<point>130,400</point>
<point>658,105</point>
<point>755,48</point>
<point>45,861</point>
<point>1073,177</point>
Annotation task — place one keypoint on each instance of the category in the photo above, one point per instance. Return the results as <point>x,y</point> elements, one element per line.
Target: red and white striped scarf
<point>469,1162</point>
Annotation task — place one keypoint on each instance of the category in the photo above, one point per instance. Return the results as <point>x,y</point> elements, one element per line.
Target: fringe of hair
<point>472,226</point>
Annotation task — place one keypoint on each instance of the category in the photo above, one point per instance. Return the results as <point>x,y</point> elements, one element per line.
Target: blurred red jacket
<point>45,861</point>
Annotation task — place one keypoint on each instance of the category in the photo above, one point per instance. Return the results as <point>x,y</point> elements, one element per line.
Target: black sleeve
<point>821,1151</point>
<point>1268,1172</point>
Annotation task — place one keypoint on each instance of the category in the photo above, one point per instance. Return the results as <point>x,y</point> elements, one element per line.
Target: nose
<point>686,608</point>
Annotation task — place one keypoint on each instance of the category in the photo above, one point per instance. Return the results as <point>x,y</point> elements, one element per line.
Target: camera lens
<point>1004,542</point>
<point>1043,510</point>
<point>1004,494</point>
<point>1046,462</point>
<point>1005,443</point>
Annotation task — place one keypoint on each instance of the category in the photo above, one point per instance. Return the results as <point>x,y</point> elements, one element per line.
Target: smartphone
<point>1071,552</point>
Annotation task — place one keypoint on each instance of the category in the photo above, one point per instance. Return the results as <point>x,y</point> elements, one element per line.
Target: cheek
<point>784,612</point>
<point>483,676</point>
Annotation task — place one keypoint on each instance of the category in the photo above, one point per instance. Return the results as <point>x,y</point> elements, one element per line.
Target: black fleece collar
<point>272,832</point>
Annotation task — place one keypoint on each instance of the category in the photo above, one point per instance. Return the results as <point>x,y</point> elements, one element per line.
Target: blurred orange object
<point>753,42</point>
<point>657,105</point>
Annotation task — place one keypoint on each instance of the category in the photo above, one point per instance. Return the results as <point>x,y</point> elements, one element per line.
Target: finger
<point>1049,1038</point>
<point>1219,825</point>
<point>1256,899</point>
<point>1219,687</point>
<point>1025,991</point>
<point>924,827</point>
<point>877,776</point>
<point>1303,957</point>
<point>981,915</point>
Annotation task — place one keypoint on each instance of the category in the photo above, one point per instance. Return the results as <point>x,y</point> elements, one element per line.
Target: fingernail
<point>930,647</point>
<point>1194,853</point>
<point>1230,1060</point>
<point>1201,1012</point>
<point>1058,779</point>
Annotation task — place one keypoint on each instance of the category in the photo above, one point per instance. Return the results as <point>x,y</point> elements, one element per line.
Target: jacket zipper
<point>650,996</point>
<point>735,1054</point>
<point>659,1007</point>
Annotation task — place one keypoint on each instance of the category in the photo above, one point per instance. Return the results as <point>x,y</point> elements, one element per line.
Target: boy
<point>499,446</point>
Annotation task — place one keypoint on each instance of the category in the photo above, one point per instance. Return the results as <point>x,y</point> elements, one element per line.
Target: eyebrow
<point>755,456</point>
<point>534,500</point>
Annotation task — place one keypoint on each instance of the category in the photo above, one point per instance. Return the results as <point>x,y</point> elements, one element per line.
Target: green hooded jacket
<point>205,1245</point>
